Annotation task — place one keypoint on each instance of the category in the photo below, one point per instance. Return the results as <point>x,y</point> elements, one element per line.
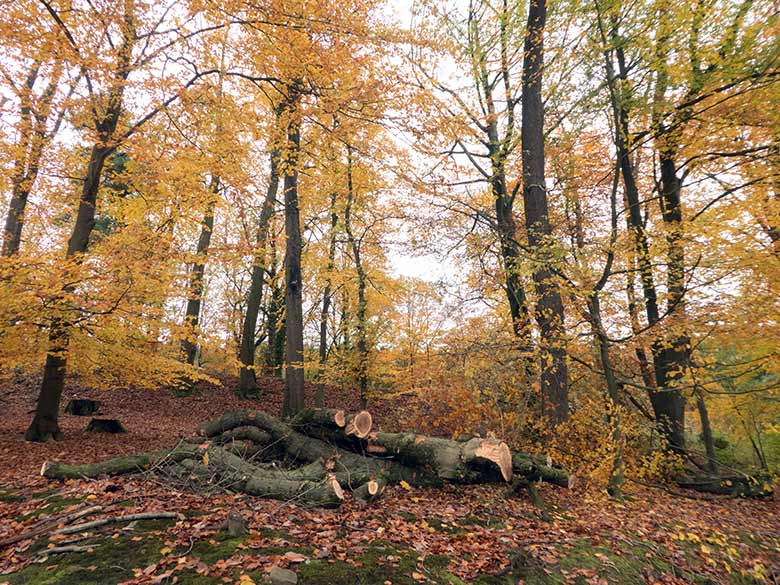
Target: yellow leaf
<point>405,485</point>
<point>91,497</point>
<point>165,550</point>
<point>705,549</point>
<point>206,458</point>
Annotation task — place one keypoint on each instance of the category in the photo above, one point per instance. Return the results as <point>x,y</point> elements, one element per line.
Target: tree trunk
<point>326,299</point>
<point>616,477</point>
<point>669,356</point>
<point>45,425</point>
<point>362,343</point>
<point>247,379</point>
<point>189,347</point>
<point>293,277</point>
<point>706,432</point>
<point>549,307</point>
<point>33,116</point>
<point>275,327</point>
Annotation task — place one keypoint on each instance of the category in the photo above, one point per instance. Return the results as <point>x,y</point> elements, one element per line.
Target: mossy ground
<point>118,555</point>
<point>112,560</point>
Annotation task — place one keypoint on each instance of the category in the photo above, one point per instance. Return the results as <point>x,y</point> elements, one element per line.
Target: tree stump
<point>82,407</point>
<point>105,425</point>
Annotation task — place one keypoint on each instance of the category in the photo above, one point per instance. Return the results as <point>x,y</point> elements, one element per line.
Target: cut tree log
<point>334,426</point>
<point>324,470</point>
<point>331,418</point>
<point>247,433</point>
<point>370,490</point>
<point>533,468</point>
<point>117,465</point>
<point>351,467</point>
<point>475,461</point>
<point>246,477</point>
<point>359,424</point>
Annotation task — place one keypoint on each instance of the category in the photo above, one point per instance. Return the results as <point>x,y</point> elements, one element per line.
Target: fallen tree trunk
<point>532,469</point>
<point>736,485</point>
<point>117,465</point>
<point>475,461</point>
<point>350,468</point>
<point>232,448</point>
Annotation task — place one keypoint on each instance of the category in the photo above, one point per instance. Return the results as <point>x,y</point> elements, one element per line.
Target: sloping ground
<point>451,535</point>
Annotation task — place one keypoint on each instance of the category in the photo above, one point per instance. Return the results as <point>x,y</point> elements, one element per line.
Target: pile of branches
<point>318,455</point>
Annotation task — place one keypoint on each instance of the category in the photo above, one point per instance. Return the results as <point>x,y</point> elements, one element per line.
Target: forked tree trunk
<point>293,277</point>
<point>669,356</point>
<point>549,306</point>
<point>247,379</point>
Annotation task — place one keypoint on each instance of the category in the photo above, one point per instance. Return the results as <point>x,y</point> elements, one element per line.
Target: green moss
<point>380,562</point>
<point>447,527</point>
<point>10,495</point>
<point>220,546</point>
<point>489,522</point>
<point>112,560</point>
<point>52,505</point>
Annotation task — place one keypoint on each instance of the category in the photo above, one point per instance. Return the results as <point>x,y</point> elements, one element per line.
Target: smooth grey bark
<point>293,277</point>
<point>549,311</point>
<point>189,347</point>
<point>327,293</point>
<point>362,308</point>
<point>247,379</point>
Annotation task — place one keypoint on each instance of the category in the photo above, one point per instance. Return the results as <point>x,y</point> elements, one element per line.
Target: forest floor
<point>456,534</point>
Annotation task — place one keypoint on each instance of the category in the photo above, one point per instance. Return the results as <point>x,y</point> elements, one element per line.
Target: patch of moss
<point>447,527</point>
<point>380,562</point>
<point>219,546</point>
<point>624,567</point>
<point>268,532</point>
<point>489,522</point>
<point>52,505</point>
<point>10,495</point>
<point>111,561</point>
